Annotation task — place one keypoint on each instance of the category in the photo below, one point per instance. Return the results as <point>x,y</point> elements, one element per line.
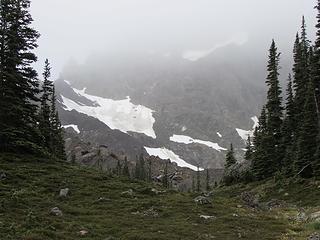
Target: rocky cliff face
<point>206,100</point>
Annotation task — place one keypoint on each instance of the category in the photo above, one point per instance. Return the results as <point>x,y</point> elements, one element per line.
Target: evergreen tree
<point>198,180</point>
<point>230,159</point>
<point>125,170</point>
<point>118,169</point>
<point>316,61</point>
<point>307,144</point>
<point>165,179</point>
<point>248,154</point>
<point>261,156</point>
<point>149,170</point>
<point>19,86</point>
<point>207,180</point>
<point>57,140</point>
<point>274,109</point>
<point>288,130</point>
<point>45,110</point>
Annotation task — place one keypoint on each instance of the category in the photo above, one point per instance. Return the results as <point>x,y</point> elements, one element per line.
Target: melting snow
<point>75,127</point>
<point>244,134</point>
<point>116,114</point>
<point>165,154</point>
<point>189,140</point>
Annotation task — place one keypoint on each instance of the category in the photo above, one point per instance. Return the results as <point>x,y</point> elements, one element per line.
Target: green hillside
<point>95,205</point>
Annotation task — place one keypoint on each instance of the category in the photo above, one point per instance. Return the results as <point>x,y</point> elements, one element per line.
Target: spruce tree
<point>230,159</point>
<point>316,61</point>
<point>198,180</point>
<point>288,130</point>
<point>19,86</point>
<point>45,110</point>
<point>262,149</point>
<point>207,180</point>
<point>57,140</point>
<point>307,144</point>
<point>248,154</point>
<point>125,170</point>
<point>165,178</point>
<point>274,110</point>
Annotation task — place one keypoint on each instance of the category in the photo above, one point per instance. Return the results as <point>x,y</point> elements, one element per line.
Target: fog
<point>76,29</point>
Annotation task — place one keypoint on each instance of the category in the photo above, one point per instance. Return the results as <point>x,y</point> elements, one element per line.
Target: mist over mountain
<point>206,99</point>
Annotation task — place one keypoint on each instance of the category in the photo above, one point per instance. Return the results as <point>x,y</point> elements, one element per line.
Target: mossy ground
<point>32,187</point>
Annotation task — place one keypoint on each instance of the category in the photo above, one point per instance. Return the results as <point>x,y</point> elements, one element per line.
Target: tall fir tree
<point>307,144</point>
<point>230,159</point>
<point>198,180</point>
<point>19,86</point>
<point>45,109</point>
<point>248,154</point>
<point>261,156</point>
<point>288,130</point>
<point>274,109</point>
<point>125,170</point>
<point>57,140</point>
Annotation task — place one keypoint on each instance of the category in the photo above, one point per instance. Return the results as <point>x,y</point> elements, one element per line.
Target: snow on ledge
<point>165,154</point>
<point>75,127</point>
<point>189,140</point>
<point>244,134</point>
<point>116,114</point>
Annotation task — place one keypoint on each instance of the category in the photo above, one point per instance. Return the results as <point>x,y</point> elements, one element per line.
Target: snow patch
<point>75,127</point>
<point>116,114</point>
<point>219,134</point>
<point>67,82</point>
<point>165,154</point>
<point>190,140</point>
<point>195,55</point>
<point>244,134</point>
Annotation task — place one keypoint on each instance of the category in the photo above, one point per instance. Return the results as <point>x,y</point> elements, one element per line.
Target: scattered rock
<point>102,199</point>
<point>83,232</point>
<point>315,216</point>
<point>286,194</point>
<point>239,206</point>
<point>157,192</point>
<point>128,193</point>
<point>110,238</point>
<point>202,200</point>
<point>274,203</point>
<point>235,215</point>
<point>250,199</point>
<point>3,176</point>
<point>64,192</point>
<point>314,236</point>
<point>151,212</point>
<point>206,217</point>
<point>56,211</point>
<point>208,194</point>
<point>301,217</point>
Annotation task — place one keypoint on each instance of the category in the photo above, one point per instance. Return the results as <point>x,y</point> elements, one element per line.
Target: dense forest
<point>29,121</point>
<point>287,141</point>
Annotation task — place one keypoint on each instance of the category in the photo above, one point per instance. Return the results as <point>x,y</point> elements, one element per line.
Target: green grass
<point>32,189</point>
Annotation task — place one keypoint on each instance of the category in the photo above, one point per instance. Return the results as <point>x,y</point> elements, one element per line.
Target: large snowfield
<point>165,154</point>
<point>116,114</point>
<point>190,140</point>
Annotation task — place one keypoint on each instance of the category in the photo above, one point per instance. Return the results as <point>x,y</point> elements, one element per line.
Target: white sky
<point>74,29</point>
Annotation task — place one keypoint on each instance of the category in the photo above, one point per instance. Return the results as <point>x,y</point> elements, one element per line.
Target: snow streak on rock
<point>165,154</point>
<point>244,134</point>
<point>75,127</point>
<point>189,140</point>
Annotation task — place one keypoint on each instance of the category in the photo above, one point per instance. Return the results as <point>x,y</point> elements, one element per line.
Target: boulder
<point>64,192</point>
<point>83,232</point>
<point>250,199</point>
<point>202,200</point>
<point>314,236</point>
<point>315,216</point>
<point>128,193</point>
<point>56,211</point>
<point>207,217</point>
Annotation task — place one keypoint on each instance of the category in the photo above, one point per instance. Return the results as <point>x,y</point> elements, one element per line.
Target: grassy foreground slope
<point>96,206</point>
